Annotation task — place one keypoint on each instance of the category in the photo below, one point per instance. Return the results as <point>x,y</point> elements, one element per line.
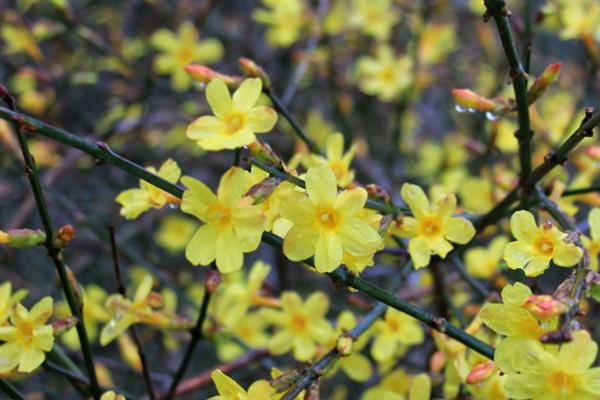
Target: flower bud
<point>252,69</point>
<point>204,74</point>
<point>263,189</point>
<point>264,152</point>
<point>437,361</point>
<point>63,236</point>
<point>212,280</point>
<point>544,306</point>
<point>469,99</point>
<point>62,325</point>
<point>22,238</point>
<point>344,345</point>
<point>481,372</point>
<point>540,85</point>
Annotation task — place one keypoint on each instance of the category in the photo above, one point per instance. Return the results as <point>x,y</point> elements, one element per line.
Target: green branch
<point>497,9</point>
<point>340,275</point>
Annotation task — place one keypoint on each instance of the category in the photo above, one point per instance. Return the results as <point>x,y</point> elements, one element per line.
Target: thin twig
<point>54,252</point>
<point>197,335</point>
<point>10,390</point>
<point>123,292</point>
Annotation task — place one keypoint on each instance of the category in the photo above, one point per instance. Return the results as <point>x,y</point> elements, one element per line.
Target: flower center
<point>298,323</point>
<point>545,246</point>
<point>26,334</point>
<point>388,74</point>
<point>328,219</point>
<point>393,325</point>
<point>221,215</point>
<point>233,123</point>
<point>561,384</point>
<point>430,227</point>
<point>184,56</point>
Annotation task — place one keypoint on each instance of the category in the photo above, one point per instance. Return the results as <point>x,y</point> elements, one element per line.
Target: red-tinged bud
<point>481,372</point>
<point>547,225</point>
<point>376,192</point>
<point>469,99</point>
<point>593,151</point>
<point>263,152</point>
<point>63,236</point>
<point>204,74</point>
<point>77,291</point>
<point>540,85</point>
<point>262,190</point>
<point>212,280</point>
<point>62,325</point>
<point>154,300</point>
<point>544,306</point>
<point>437,361</point>
<point>251,68</point>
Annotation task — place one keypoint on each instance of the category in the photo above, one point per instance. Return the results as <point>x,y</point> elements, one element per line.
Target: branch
<point>123,291</point>
<point>497,9</point>
<point>53,251</point>
<point>10,390</point>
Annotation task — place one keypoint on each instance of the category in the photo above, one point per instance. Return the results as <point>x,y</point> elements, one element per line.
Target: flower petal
<point>205,127</point>
<point>350,202</point>
<point>517,254</point>
<point>247,94</point>
<point>328,252</point>
<point>197,199</point>
<point>537,265</point>
<point>261,119</point>
<point>299,243</point>
<point>225,385</point>
<point>31,359</point>
<point>523,226</point>
<point>218,97</point>
<point>234,184</point>
<point>229,254</point>
<point>458,230</point>
<point>358,238</point>
<point>202,247</point>
<point>321,184</point>
<point>416,199</point>
<point>419,251</point>
<point>567,255</point>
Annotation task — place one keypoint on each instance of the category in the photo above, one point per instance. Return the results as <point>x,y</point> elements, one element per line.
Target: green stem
<point>197,335</point>
<point>53,251</point>
<point>10,390</point>
<point>475,284</point>
<point>497,9</point>
<point>300,132</point>
<point>573,192</point>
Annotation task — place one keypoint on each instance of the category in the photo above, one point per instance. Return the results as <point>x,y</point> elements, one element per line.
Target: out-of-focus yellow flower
<point>174,232</point>
<point>326,223</point>
<point>355,365</point>
<point>19,39</point>
<point>180,49</point>
<point>129,352</point>
<point>136,201</point>
<point>592,243</point>
<point>94,313</point>
<point>483,262</point>
<point>536,246</point>
<point>394,386</point>
<point>433,50</point>
<point>300,326</point>
<point>374,18</point>
<point>32,95</point>
<point>553,375</point>
<point>392,333</point>
<point>230,390</point>
<point>111,395</point>
<point>336,159</point>
<point>236,118</point>
<point>384,75</point>
<point>125,312</point>
<point>8,300</point>
<point>27,338</point>
<point>284,21</point>
<point>232,225</point>
<point>420,388</point>
<point>250,331</point>
<point>433,227</point>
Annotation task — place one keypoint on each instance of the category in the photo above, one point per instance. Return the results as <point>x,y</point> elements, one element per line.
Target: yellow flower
<point>230,390</point>
<point>284,20</point>
<point>8,299</point>
<point>385,75</point>
<point>300,325</point>
<point>433,227</point>
<point>393,386</point>
<point>94,313</point>
<point>326,223</point>
<point>555,375</point>
<point>174,233</point>
<point>136,201</point>
<point>111,395</point>
<point>536,246</point>
<point>125,312</point>
<point>181,49</point>
<point>236,118</point>
<point>27,338</point>
<point>395,331</point>
<point>514,321</point>
<point>592,244</point>
<point>374,18</point>
<point>483,262</point>
<point>336,159</point>
<point>232,225</point>
<point>249,331</point>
